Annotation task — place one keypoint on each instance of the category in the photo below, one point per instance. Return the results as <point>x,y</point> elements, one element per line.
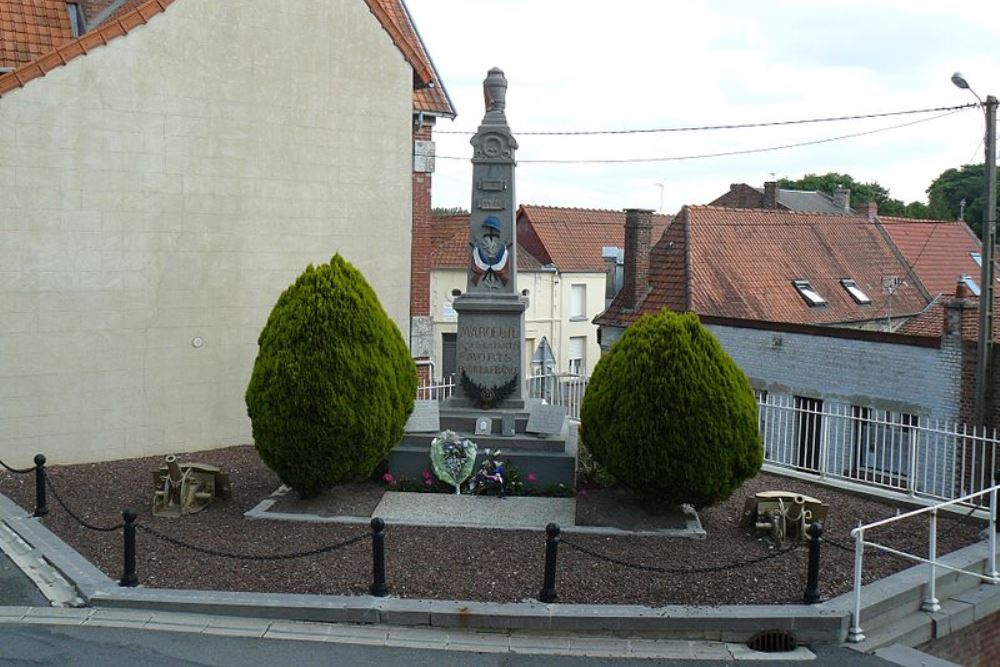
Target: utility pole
<point>984,348</point>
<point>660,185</point>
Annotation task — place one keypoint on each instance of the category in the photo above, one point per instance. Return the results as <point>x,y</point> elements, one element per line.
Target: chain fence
<point>18,471</point>
<point>678,570</point>
<point>82,522</point>
<point>251,557</point>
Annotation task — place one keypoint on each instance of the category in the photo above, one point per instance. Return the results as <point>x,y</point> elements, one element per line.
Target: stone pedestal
<point>489,347</point>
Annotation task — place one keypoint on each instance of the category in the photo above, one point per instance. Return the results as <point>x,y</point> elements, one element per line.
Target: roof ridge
<point>780,211</point>
<point>581,208</point>
<point>82,45</point>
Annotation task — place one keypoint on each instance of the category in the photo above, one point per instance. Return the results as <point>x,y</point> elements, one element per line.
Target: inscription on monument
<point>492,185</point>
<point>491,204</point>
<point>546,419</point>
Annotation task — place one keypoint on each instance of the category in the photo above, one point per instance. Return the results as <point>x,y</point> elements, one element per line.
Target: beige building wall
<point>548,312</point>
<point>160,193</point>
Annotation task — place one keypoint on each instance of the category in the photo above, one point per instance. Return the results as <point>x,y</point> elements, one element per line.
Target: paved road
<point>35,644</point>
<point>17,589</point>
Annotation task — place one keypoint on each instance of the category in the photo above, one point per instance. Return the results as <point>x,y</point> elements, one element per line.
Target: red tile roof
<point>451,246</point>
<point>31,28</point>
<point>740,263</point>
<point>939,251</point>
<point>36,37</point>
<point>573,238</point>
<point>430,95</point>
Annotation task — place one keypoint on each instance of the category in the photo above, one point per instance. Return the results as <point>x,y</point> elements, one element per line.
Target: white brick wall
<point>169,186</point>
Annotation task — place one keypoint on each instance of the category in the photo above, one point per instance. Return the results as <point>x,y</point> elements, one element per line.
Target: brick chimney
<point>638,242</point>
<point>770,195</point>
<point>869,210</point>
<point>960,313</point>
<point>842,198</point>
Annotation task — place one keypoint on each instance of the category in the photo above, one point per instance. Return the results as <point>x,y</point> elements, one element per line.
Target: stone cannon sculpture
<point>785,515</point>
<point>186,488</point>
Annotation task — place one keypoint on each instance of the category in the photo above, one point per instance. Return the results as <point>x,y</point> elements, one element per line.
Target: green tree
<point>333,382</point>
<point>946,192</point>
<point>670,415</point>
<point>860,193</point>
<point>444,212</point>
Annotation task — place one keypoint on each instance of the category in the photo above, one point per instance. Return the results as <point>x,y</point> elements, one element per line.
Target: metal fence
<point>906,453</point>
<point>563,389</point>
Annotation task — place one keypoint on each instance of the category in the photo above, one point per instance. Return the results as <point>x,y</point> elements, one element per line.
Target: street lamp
<point>984,351</point>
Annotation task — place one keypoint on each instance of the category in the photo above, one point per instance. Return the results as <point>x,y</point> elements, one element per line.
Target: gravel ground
<point>457,563</point>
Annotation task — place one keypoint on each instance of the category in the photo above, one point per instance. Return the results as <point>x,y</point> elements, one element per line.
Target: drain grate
<point>773,641</point>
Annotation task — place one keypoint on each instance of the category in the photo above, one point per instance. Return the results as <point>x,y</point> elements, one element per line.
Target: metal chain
<point>18,471</point>
<point>82,522</point>
<point>222,554</point>
<point>667,570</point>
<point>839,545</point>
<point>960,521</point>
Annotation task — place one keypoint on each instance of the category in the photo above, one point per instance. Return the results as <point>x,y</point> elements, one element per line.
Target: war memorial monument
<point>489,404</point>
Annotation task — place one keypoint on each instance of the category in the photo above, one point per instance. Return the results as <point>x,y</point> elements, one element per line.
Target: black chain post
<point>128,577</point>
<point>548,592</point>
<point>379,588</point>
<point>815,532</point>
<point>41,506</point>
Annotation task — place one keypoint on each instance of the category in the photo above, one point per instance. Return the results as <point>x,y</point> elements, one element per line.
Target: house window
<point>809,427</point>
<point>807,292</point>
<point>578,355</point>
<point>977,258</point>
<point>970,283</point>
<point>75,18</point>
<point>855,291</point>
<point>578,302</point>
<point>882,444</point>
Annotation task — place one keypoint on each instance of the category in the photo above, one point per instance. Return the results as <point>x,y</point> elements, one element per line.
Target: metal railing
<point>909,454</point>
<point>930,602</point>
<point>563,389</point>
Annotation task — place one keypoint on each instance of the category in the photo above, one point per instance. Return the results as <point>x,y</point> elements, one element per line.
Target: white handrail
<point>930,603</point>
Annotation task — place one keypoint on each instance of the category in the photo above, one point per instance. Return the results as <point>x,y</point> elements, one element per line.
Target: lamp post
<point>984,350</point>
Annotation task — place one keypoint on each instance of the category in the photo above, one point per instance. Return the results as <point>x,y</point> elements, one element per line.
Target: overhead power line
<point>747,151</point>
<point>733,126</point>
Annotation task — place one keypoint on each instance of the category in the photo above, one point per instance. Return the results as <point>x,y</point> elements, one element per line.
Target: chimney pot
<point>842,198</point>
<point>869,210</point>
<point>638,242</point>
<point>771,194</point>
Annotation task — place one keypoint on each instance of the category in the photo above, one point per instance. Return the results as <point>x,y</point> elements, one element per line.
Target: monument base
<point>551,457</point>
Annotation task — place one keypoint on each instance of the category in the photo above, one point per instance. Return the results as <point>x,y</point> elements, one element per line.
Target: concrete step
<point>518,443</point>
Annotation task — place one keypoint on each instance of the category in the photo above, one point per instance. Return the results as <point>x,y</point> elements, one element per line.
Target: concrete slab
<point>911,657</point>
<point>442,509</point>
<point>232,626</point>
<point>298,631</point>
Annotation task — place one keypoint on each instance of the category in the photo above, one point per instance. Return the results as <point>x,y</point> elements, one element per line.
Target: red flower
<point>388,478</point>
<point>531,477</point>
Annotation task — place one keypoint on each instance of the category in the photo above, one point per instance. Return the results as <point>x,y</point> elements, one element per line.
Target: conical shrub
<point>670,415</point>
<point>333,382</point>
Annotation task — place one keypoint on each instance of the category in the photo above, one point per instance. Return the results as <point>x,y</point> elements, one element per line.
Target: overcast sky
<point>637,64</point>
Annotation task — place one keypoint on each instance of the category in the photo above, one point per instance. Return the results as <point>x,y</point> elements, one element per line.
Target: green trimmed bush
<point>670,415</point>
<point>333,383</point>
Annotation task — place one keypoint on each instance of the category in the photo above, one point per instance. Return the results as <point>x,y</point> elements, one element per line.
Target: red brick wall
<point>977,645</point>
<point>740,195</point>
<point>421,241</point>
<point>420,274</point>
<point>638,242</point>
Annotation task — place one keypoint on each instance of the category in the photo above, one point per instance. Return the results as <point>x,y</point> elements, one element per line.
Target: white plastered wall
<point>163,190</point>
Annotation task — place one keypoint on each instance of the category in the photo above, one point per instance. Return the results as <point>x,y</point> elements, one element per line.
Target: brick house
<point>171,167</point>
<point>741,195</point>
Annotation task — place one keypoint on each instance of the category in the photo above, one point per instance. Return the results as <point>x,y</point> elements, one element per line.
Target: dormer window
<point>807,292</point>
<point>855,291</point>
<point>970,283</point>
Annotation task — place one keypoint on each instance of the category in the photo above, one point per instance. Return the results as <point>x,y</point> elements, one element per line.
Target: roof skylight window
<point>977,258</point>
<point>856,293</point>
<point>807,292</point>
<point>970,283</point>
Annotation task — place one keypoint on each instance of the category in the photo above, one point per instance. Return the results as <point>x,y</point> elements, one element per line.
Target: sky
<point>582,65</point>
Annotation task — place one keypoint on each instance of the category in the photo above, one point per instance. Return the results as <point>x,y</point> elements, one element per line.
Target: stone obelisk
<point>490,340</point>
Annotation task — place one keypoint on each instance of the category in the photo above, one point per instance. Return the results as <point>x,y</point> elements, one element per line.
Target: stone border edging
<point>822,623</point>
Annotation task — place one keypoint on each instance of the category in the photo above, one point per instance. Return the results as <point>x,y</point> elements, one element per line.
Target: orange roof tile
<point>451,246</point>
<point>573,238</point>
<point>939,251</point>
<point>36,37</point>
<point>31,28</point>
<point>81,46</point>
<point>430,95</point>
<point>740,264</point>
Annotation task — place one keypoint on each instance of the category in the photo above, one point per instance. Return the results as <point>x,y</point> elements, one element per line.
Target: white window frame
<point>577,365</point>
<point>882,441</point>
<point>578,305</point>
<point>856,293</point>
<point>968,281</point>
<point>810,295</point>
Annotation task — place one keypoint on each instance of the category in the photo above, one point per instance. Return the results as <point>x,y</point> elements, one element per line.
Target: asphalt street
<point>17,589</point>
